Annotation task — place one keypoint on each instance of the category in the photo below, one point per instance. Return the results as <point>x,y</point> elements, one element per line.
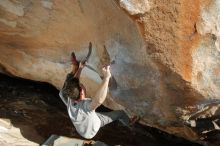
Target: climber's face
<point>82,91</point>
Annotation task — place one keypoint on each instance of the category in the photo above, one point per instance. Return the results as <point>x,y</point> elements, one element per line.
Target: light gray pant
<point>108,117</point>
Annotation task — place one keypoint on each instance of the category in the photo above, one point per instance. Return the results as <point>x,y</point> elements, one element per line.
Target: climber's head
<point>71,88</point>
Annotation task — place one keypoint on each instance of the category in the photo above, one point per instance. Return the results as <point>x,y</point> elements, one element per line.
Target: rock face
<point>206,63</point>
<point>12,135</point>
<point>135,7</point>
<point>166,57</point>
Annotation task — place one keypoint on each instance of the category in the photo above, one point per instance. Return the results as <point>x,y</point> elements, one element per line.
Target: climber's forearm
<point>101,94</point>
<point>81,66</point>
<point>78,73</point>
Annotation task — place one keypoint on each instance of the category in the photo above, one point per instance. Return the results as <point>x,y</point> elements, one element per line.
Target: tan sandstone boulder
<point>165,54</point>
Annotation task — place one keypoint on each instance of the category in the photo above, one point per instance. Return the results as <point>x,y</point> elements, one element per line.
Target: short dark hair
<point>71,87</point>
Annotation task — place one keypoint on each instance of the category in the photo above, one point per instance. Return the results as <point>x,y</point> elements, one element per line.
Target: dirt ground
<point>38,106</point>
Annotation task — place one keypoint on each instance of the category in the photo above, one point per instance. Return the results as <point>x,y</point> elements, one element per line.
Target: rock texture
<point>166,56</point>
<point>206,61</point>
<point>12,136</point>
<point>135,7</point>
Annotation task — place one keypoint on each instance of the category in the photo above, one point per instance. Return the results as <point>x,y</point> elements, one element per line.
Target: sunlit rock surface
<point>206,62</point>
<point>11,135</point>
<point>165,61</point>
<point>135,6</point>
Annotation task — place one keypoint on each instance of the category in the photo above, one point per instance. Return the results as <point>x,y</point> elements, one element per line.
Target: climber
<point>81,110</point>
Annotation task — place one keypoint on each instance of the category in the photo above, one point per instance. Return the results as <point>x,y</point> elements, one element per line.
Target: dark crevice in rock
<point>36,109</point>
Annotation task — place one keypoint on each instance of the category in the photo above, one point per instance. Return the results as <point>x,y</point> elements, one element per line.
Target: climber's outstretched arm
<point>101,94</point>
<point>78,72</point>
